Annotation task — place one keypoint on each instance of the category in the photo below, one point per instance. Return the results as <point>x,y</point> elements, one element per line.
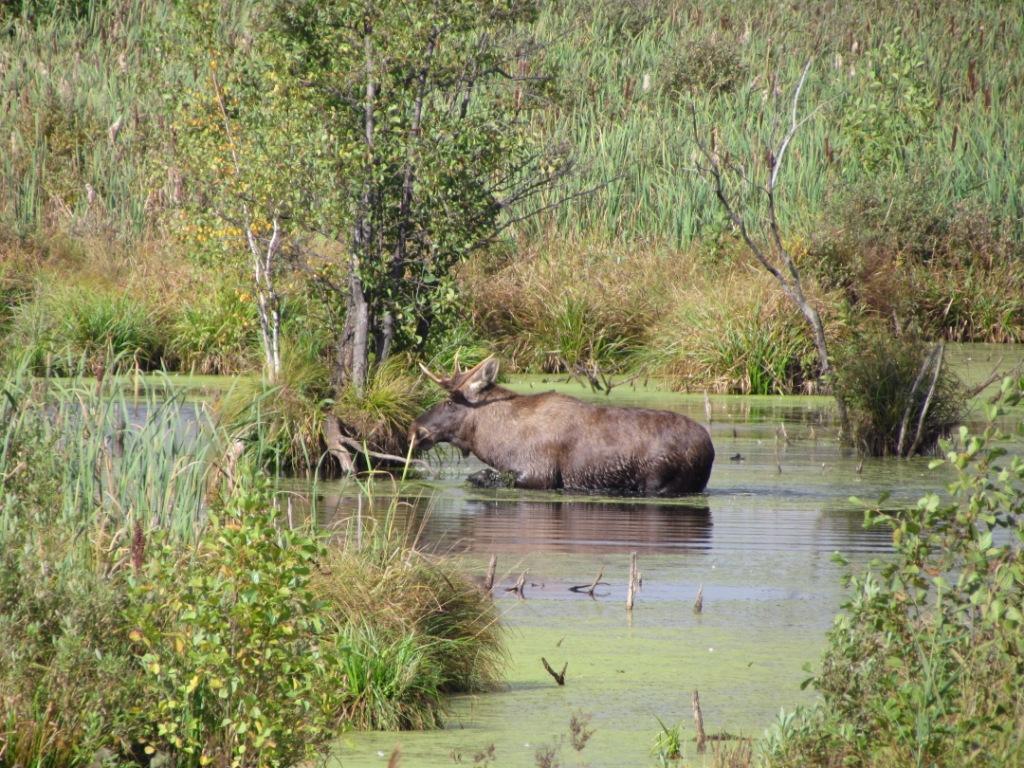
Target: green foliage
<point>885,382</point>
<point>925,666</point>
<point>937,92</point>
<point>280,423</point>
<point>702,67</point>
<point>543,315</point>
<point>233,642</point>
<point>435,164</point>
<point>63,327</point>
<point>67,679</point>
<point>899,250</point>
<point>391,602</point>
<point>668,745</point>
<point>136,625</point>
<point>216,333</point>
<point>884,115</point>
<point>736,336</point>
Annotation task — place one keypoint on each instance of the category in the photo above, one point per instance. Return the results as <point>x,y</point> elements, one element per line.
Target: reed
<point>637,139</point>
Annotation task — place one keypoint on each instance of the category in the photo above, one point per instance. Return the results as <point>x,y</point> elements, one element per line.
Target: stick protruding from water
<point>698,723</point>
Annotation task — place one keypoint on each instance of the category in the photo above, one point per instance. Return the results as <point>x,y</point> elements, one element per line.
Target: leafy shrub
<point>133,624</point>
<point>233,643</point>
<point>901,252</point>
<point>885,383</point>
<point>67,678</point>
<point>925,666</point>
<point>890,109</point>
<point>702,68</point>
<point>217,332</point>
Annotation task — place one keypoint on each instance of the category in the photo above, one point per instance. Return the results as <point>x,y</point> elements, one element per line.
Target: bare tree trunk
<point>352,352</point>
<point>773,256</point>
<point>264,260</point>
<point>267,299</point>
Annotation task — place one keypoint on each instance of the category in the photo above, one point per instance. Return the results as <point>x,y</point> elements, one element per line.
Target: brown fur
<point>555,441</point>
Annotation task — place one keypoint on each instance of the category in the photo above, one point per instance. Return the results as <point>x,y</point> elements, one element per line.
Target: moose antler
<point>432,376</point>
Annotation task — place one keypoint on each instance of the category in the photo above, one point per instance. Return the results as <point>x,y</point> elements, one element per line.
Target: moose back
<point>551,441</point>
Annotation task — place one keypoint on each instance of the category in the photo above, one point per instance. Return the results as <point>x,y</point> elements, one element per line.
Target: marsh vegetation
<point>313,198</point>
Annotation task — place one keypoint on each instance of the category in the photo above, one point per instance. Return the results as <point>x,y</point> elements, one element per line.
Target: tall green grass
<point>63,327</point>
<point>85,112</point>
<point>638,140</point>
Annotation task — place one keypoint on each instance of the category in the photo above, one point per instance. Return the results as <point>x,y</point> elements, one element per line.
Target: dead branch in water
<point>698,723</point>
<point>491,568</point>
<point>634,582</point>
<point>590,588</point>
<point>559,676</point>
<point>517,588</point>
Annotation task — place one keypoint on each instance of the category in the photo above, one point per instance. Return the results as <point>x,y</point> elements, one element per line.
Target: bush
<point>217,333</point>
<point>905,254</point>
<point>738,335</point>
<point>67,677</point>
<point>131,623</point>
<point>233,643</point>
<point>925,666</point>
<point>702,68</point>
<point>886,383</point>
<point>65,326</point>
<point>542,315</point>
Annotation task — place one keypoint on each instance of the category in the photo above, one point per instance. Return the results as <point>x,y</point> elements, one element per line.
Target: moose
<point>553,441</point>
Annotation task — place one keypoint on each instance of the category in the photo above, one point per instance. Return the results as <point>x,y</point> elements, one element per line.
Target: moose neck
<point>480,430</point>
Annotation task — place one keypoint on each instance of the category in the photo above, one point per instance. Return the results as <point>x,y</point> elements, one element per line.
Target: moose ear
<point>483,376</point>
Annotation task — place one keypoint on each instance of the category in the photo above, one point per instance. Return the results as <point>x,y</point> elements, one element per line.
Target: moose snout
<point>420,438</point>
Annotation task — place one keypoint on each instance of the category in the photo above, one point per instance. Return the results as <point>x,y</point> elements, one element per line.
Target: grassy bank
<point>157,601</point>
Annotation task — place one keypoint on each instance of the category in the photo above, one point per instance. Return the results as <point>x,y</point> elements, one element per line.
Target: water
<point>760,541</point>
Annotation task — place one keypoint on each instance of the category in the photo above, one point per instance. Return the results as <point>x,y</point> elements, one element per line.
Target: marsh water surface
<point>760,540</point>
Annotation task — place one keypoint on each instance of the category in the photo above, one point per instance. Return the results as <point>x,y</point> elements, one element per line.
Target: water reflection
<point>525,526</point>
<point>456,522</point>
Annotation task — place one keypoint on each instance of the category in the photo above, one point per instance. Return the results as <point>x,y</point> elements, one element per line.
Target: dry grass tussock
<point>733,330</point>
<point>724,327</point>
<point>559,302</point>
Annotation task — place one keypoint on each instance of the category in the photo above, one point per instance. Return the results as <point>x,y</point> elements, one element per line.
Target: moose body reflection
<point>552,441</point>
<point>528,526</point>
